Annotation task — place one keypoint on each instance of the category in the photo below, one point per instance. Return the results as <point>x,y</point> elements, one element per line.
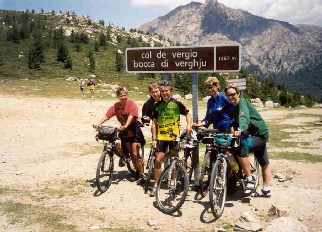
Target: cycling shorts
<point>258,148</point>
<point>133,139</point>
<point>163,145</point>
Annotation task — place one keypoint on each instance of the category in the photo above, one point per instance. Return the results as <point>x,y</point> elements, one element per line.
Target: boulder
<point>72,79</point>
<point>275,212</point>
<point>317,105</point>
<point>277,105</point>
<point>205,99</point>
<point>188,96</point>
<point>269,104</point>
<point>247,221</point>
<point>286,224</point>
<point>177,96</point>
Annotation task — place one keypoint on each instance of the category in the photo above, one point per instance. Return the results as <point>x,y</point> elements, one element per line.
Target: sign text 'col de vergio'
<point>214,58</point>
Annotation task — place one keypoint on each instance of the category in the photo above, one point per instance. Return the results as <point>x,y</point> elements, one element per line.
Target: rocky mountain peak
<point>289,54</point>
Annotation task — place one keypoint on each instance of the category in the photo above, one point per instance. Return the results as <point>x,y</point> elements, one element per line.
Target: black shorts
<point>163,145</point>
<point>81,88</point>
<point>133,139</point>
<point>258,148</point>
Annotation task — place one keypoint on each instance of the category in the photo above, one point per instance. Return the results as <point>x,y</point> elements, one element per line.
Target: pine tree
<point>72,37</point>
<point>62,52</point>
<point>96,46</point>
<point>36,53</point>
<point>102,38</point>
<point>69,63</point>
<point>119,39</point>
<point>183,82</point>
<point>24,32</point>
<point>13,34</point>
<point>118,62</point>
<point>108,35</point>
<point>84,38</point>
<point>78,47</point>
<point>91,61</point>
<point>1,59</point>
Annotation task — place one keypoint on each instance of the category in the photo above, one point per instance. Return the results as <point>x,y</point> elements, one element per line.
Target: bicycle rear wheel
<point>171,197</point>
<point>188,163</point>
<point>218,187</point>
<point>130,165</point>
<point>205,175</point>
<point>104,171</point>
<point>150,167</point>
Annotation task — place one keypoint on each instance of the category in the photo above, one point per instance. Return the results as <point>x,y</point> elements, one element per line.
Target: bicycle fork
<point>171,177</point>
<point>223,170</point>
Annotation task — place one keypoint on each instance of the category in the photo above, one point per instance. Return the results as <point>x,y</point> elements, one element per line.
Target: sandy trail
<point>47,141</point>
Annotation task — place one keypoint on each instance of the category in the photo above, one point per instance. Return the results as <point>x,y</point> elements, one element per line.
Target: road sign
<point>182,59</point>
<point>240,83</point>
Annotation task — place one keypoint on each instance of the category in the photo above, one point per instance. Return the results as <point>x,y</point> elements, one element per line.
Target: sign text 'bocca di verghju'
<point>192,59</point>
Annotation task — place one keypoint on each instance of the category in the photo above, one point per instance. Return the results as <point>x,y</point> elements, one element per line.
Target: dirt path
<point>48,152</point>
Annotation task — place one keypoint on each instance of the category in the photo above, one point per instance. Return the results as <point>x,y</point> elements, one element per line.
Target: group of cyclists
<point>227,112</point>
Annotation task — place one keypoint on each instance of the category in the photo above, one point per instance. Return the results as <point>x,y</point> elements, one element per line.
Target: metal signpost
<point>185,59</point>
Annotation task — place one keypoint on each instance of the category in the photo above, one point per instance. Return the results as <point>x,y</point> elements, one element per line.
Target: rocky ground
<point>48,159</point>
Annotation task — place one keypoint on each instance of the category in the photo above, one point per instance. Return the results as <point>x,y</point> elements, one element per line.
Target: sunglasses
<point>165,84</point>
<point>231,95</point>
<point>211,86</point>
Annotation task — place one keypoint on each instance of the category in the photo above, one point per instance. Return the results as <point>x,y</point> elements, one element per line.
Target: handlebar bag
<point>222,140</point>
<point>108,133</point>
<point>246,142</point>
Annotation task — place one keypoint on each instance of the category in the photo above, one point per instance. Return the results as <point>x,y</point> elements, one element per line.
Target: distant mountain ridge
<point>289,54</point>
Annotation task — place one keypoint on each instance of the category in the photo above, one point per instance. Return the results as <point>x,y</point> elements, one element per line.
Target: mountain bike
<point>150,166</point>
<point>173,183</point>
<point>219,165</point>
<point>206,136</point>
<point>112,145</point>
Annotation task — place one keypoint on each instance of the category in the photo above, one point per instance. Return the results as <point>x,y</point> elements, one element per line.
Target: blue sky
<point>133,13</point>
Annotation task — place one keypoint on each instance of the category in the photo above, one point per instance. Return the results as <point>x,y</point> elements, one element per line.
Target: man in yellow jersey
<point>166,117</point>
<point>91,85</point>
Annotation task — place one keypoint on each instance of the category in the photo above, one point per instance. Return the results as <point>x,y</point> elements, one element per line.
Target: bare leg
<point>266,172</point>
<point>133,157</point>
<point>138,159</point>
<point>157,168</point>
<point>245,165</point>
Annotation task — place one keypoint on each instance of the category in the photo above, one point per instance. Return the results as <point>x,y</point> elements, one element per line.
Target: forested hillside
<point>60,45</point>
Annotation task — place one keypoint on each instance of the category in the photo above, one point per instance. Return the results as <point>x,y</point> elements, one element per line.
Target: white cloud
<point>292,11</point>
<point>170,3</point>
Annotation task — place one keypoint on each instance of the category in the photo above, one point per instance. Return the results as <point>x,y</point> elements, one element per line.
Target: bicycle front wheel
<point>205,175</point>
<point>218,187</point>
<point>104,171</point>
<point>171,196</point>
<point>150,167</point>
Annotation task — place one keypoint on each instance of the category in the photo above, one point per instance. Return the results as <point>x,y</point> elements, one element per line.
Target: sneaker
<point>194,188</point>
<point>250,185</point>
<point>153,192</point>
<point>141,179</point>
<point>121,163</point>
<point>136,175</point>
<point>262,193</point>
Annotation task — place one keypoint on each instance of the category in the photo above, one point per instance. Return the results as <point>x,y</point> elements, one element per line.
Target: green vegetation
<point>49,54</point>
<point>33,214</point>
<point>296,156</point>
